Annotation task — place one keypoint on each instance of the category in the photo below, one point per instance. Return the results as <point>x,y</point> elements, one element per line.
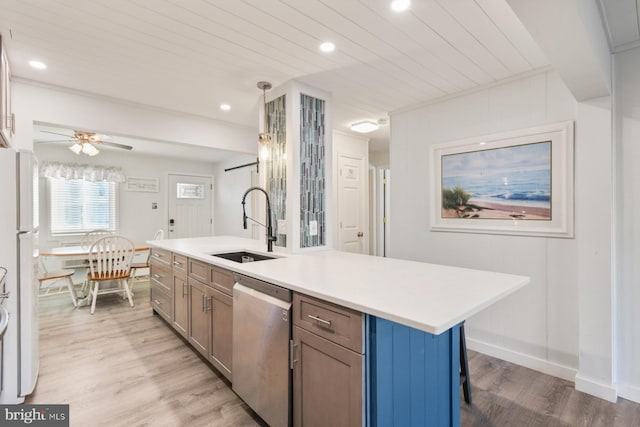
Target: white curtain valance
<point>78,171</point>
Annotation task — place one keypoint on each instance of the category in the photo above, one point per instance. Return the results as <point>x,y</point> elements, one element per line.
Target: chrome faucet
<point>270,237</point>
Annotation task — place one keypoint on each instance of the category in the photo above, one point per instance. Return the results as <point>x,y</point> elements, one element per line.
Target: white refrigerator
<point>19,255</point>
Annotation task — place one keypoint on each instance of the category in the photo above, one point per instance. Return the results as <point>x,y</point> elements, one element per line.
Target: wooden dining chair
<point>144,264</point>
<point>88,239</point>
<point>110,260</point>
<point>55,276</point>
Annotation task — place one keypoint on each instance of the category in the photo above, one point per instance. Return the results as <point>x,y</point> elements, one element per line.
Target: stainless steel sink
<point>243,256</point>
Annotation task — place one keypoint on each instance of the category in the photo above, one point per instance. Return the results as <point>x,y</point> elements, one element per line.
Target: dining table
<point>78,253</point>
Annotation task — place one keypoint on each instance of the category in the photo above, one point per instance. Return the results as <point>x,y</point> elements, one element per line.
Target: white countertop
<point>429,297</point>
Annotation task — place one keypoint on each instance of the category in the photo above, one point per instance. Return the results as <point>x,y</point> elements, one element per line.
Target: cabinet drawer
<point>337,324</point>
<point>222,280</point>
<point>161,302</point>
<point>179,263</point>
<point>160,256</point>
<point>199,270</point>
<point>161,276</point>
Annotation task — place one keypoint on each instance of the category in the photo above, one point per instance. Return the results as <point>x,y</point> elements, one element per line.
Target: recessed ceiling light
<point>38,65</point>
<point>327,47</point>
<point>225,107</point>
<point>400,5</point>
<point>364,127</point>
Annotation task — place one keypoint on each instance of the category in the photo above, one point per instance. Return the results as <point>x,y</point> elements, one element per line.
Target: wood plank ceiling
<point>193,55</point>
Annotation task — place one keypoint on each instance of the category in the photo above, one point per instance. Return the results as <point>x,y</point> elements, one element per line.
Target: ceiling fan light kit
<point>76,148</point>
<point>84,143</point>
<point>85,148</point>
<point>89,149</point>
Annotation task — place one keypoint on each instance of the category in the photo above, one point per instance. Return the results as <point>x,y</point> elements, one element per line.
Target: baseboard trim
<point>522,359</point>
<point>629,392</point>
<point>596,388</point>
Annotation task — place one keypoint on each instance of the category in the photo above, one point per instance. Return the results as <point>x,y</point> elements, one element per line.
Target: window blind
<point>78,206</point>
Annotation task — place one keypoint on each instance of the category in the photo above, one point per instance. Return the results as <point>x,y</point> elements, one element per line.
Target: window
<point>78,206</point>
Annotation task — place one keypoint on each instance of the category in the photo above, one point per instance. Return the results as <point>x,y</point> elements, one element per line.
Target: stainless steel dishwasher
<point>261,334</point>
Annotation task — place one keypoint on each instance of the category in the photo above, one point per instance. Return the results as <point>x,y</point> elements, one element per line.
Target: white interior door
<point>190,207</point>
<point>351,204</point>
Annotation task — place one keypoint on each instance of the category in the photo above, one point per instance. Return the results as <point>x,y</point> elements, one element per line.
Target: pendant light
<point>264,137</point>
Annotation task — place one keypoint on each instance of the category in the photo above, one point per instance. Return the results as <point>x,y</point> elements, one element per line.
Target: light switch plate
<point>313,228</point>
<point>282,226</point>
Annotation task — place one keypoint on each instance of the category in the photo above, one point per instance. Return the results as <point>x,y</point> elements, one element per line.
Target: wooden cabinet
<point>328,384</point>
<point>211,313</point>
<point>220,352</point>
<point>180,292</point>
<point>161,283</point>
<point>179,264</point>
<point>199,318</point>
<point>161,257</point>
<point>181,304</point>
<point>7,119</point>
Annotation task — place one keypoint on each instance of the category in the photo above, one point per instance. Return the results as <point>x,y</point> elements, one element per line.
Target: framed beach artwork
<point>518,182</point>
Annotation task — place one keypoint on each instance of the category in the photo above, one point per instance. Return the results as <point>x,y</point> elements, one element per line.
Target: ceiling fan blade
<point>115,144</point>
<point>46,141</point>
<point>57,133</point>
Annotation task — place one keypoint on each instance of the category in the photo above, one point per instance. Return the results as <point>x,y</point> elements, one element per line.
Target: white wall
<point>35,103</point>
<point>229,187</point>
<point>570,278</point>
<point>627,132</point>
<point>137,220</point>
<point>379,158</point>
<point>45,104</point>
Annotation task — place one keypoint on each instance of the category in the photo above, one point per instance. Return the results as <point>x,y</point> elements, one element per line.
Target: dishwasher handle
<point>270,289</point>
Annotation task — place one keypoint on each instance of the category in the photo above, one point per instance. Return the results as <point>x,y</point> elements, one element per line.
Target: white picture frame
<point>518,183</point>
<point>143,184</point>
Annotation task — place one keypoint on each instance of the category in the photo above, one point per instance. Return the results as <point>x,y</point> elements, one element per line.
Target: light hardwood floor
<point>125,367</point>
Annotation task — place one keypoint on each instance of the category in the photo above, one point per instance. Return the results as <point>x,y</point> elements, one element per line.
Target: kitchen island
<point>412,313</point>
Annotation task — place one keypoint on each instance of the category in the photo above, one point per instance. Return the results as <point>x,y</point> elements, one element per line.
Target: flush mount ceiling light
<point>364,126</point>
<point>225,107</point>
<point>38,65</point>
<point>327,47</point>
<point>400,5</point>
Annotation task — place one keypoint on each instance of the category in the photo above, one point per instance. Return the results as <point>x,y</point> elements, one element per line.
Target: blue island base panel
<point>414,376</point>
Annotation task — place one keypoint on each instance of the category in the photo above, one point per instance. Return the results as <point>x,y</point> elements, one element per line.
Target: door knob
<point>360,234</point>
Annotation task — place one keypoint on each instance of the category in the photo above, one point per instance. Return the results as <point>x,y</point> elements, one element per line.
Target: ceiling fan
<point>85,142</point>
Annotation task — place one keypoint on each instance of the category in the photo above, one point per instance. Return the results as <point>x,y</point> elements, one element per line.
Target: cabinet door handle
<point>292,354</point>
<point>185,290</point>
<point>177,263</point>
<point>204,299</point>
<point>157,255</point>
<point>157,276</point>
<point>157,302</point>
<point>208,304</point>
<point>327,323</point>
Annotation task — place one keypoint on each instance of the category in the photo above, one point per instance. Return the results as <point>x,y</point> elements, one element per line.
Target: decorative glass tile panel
<point>312,172</point>
<point>276,164</point>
